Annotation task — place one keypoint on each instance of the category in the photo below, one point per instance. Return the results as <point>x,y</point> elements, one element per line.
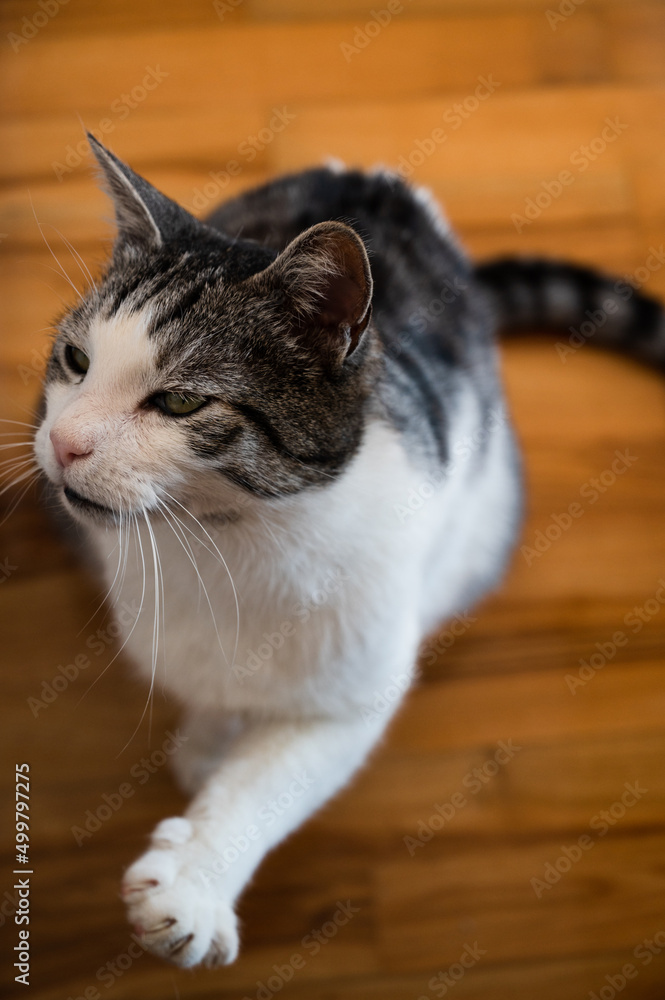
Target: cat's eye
<point>76,359</point>
<point>178,404</point>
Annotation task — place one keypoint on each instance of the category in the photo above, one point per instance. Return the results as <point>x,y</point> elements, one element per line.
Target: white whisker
<point>109,591</point>
<point>121,582</point>
<point>223,561</point>
<point>32,471</point>
<point>83,267</point>
<point>159,595</point>
<point>32,478</point>
<point>190,555</point>
<point>134,523</point>
<point>16,461</point>
<point>55,258</point>
<point>20,423</point>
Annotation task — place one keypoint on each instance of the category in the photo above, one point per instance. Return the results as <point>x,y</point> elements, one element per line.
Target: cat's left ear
<point>143,214</point>
<point>327,278</point>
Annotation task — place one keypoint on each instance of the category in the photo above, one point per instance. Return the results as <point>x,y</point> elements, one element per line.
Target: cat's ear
<point>143,214</point>
<point>327,278</point>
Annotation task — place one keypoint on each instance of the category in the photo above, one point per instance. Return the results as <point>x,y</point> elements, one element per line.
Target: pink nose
<point>66,450</point>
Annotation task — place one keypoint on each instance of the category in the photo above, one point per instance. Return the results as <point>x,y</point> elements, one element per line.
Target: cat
<point>284,432</point>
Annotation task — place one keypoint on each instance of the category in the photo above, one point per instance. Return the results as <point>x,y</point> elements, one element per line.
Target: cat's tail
<point>579,303</point>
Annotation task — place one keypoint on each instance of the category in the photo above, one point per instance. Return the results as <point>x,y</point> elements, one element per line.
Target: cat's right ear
<point>326,276</point>
<point>144,215</point>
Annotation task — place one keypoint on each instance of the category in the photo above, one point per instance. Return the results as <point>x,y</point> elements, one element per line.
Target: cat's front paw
<point>176,915</point>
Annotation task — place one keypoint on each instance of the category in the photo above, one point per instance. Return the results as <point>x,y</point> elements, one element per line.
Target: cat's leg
<point>205,739</point>
<point>181,892</point>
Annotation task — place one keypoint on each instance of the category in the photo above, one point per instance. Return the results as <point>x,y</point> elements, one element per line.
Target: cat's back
<point>425,295</point>
<point>440,387</point>
<point>377,201</point>
<point>394,219</point>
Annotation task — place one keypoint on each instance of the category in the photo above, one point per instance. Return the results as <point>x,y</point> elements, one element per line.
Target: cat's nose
<point>67,450</point>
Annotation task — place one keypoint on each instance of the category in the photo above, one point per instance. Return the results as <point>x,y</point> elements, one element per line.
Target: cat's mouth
<point>83,504</point>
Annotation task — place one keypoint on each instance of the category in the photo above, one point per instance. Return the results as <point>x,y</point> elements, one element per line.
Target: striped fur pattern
<point>531,293</point>
<point>285,428</point>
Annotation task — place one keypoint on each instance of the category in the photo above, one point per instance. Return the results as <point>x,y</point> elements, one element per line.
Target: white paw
<point>175,913</point>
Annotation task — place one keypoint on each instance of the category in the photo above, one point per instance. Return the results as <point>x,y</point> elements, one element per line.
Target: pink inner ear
<point>340,302</point>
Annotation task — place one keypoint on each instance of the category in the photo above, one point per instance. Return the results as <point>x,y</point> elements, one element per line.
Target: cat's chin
<point>87,510</point>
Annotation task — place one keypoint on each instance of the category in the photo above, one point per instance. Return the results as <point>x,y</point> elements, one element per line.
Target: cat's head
<point>201,367</point>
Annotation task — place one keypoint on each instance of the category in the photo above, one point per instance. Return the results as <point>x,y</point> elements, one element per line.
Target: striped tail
<point>583,304</point>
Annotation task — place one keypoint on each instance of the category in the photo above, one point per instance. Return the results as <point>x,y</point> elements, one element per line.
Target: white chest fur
<point>332,590</point>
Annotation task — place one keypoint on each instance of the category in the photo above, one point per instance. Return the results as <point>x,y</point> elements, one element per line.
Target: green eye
<point>76,359</point>
<point>177,404</point>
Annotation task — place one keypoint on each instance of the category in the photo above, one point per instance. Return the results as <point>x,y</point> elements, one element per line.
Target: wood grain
<point>435,845</point>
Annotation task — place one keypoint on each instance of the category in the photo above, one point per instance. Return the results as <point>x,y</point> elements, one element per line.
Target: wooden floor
<point>439,849</point>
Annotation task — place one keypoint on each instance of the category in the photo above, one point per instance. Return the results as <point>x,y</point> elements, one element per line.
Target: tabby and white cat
<point>288,420</point>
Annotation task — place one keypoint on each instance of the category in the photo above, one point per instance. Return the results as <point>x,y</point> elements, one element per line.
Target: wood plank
<point>461,794</point>
<point>478,177</point>
<point>531,708</point>
<point>636,41</point>
<point>54,148</point>
<point>504,678</point>
<point>82,213</point>
<point>428,911</point>
<point>276,63</point>
<point>481,178</point>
